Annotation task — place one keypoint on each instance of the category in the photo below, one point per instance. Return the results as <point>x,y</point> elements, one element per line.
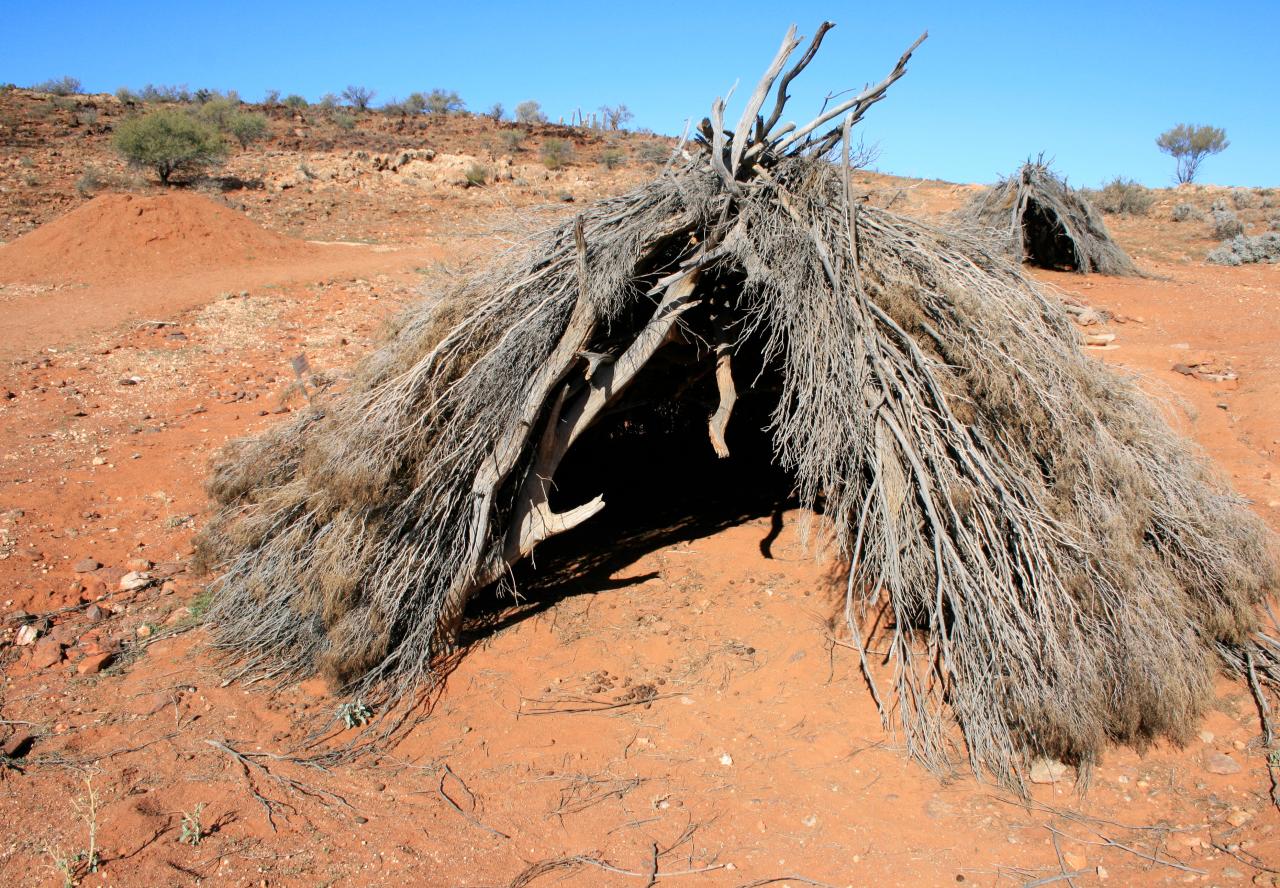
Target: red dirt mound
<point>117,236</point>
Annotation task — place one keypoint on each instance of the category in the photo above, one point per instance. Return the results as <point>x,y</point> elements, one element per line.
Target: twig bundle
<point>1049,566</point>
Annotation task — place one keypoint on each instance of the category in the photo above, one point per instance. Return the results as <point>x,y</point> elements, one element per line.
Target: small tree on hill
<point>444,101</point>
<point>1189,144</point>
<point>63,86</point>
<point>529,113</point>
<point>614,116</point>
<point>169,141</point>
<point>358,97</point>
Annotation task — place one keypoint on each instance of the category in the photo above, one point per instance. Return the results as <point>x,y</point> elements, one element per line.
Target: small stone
<point>99,461</point>
<point>1239,817</point>
<point>144,631</point>
<point>95,663</point>
<point>86,565</point>
<point>1184,369</point>
<point>46,652</point>
<point>96,613</point>
<point>1220,763</point>
<point>1103,875</point>
<point>1206,736</point>
<point>26,635</point>
<point>359,819</point>
<point>94,588</point>
<point>134,580</point>
<point>726,760</point>
<point>179,614</point>
<point>1074,862</point>
<point>138,564</point>
<point>1047,771</point>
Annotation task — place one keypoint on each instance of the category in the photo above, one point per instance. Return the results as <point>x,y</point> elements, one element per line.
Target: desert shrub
<point>1245,198</point>
<point>510,140</point>
<point>90,181</point>
<point>1226,224</point>
<point>612,158</point>
<point>88,117</point>
<point>329,101</point>
<point>556,153</point>
<point>614,116</point>
<point>344,121</point>
<point>168,142</point>
<point>653,152</point>
<point>247,128</point>
<point>1190,144</point>
<point>440,101</point>
<point>1274,223</point>
<point>128,96</point>
<point>358,97</point>
<point>530,113</point>
<point>1242,250</point>
<point>63,103</point>
<point>271,98</point>
<point>477,175</point>
<point>1185,212</point>
<point>164,93</point>
<point>1123,197</point>
<point>62,86</point>
<point>496,112</point>
<point>295,102</point>
<point>218,111</point>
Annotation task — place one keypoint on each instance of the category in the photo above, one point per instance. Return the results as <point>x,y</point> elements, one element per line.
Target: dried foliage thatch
<point>1036,217</point>
<point>1045,563</point>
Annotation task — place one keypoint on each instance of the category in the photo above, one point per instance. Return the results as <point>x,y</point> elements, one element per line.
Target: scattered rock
<point>86,565</point>
<point>96,613</point>
<point>1221,763</point>
<point>1184,369</point>
<point>1074,862</point>
<point>26,635</point>
<point>47,652</point>
<point>134,580</point>
<point>144,631</point>
<point>18,744</point>
<point>1239,817</point>
<point>138,564</point>
<point>1047,771</point>
<point>95,663</point>
<point>1206,736</point>
<point>94,588</point>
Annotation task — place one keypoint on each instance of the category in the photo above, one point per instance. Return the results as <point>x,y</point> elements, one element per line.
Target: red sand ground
<point>756,754</point>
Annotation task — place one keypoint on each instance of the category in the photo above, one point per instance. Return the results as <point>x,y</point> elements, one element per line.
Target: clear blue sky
<point>1089,83</point>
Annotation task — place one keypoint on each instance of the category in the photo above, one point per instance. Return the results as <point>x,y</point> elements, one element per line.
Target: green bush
<point>218,111</point>
<point>510,140</point>
<point>556,153</point>
<point>128,96</point>
<point>162,93</point>
<point>613,157</point>
<point>477,175</point>
<point>63,86</point>
<point>295,101</point>
<point>1123,197</point>
<point>169,141</point>
<point>496,112</point>
<point>247,128</point>
<point>344,121</point>
<point>441,101</point>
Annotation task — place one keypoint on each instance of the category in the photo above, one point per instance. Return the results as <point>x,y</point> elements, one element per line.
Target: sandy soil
<point>681,709</point>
